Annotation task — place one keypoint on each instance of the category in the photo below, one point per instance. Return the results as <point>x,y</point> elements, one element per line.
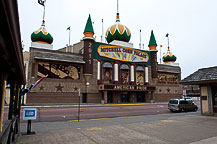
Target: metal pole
<point>168,41</point>
<point>140,44</point>
<point>160,53</point>
<point>44,10</point>
<point>117,6</point>
<point>29,127</point>
<point>69,35</point>
<point>102,39</point>
<point>78,105</point>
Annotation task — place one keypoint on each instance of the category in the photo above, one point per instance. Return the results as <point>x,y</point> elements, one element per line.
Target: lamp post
<point>79,95</point>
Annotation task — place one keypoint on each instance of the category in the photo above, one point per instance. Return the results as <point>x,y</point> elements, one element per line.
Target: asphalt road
<point>65,113</point>
<point>62,113</point>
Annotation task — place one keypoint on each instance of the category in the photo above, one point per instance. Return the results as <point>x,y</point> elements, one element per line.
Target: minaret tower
<point>118,31</point>
<point>169,58</point>
<point>41,38</point>
<point>153,50</point>
<point>88,50</point>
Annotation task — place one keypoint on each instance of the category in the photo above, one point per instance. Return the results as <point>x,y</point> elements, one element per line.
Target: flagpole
<point>140,44</point>
<point>44,10</point>
<point>69,35</point>
<point>168,41</point>
<point>160,53</point>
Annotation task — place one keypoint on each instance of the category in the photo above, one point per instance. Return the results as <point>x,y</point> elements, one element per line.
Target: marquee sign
<point>118,87</point>
<point>122,53</point>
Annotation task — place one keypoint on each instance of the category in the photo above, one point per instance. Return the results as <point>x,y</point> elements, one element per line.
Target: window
<point>183,102</point>
<point>173,102</point>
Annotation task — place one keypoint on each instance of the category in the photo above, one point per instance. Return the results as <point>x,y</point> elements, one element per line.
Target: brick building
<point>113,72</point>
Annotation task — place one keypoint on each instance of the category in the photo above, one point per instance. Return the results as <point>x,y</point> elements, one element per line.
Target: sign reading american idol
<point>122,53</point>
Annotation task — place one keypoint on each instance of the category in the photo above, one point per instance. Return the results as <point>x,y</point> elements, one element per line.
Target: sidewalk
<point>180,128</point>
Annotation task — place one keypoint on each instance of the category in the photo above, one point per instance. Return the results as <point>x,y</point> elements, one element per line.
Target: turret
<point>88,50</point>
<point>41,38</point>
<point>153,50</point>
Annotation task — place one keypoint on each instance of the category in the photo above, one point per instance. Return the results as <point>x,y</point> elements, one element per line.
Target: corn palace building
<point>112,72</point>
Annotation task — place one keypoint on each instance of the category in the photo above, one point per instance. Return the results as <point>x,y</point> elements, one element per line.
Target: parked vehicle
<point>186,98</point>
<point>181,105</point>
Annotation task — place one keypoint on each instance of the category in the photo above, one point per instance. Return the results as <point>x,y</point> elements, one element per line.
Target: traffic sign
<point>29,113</point>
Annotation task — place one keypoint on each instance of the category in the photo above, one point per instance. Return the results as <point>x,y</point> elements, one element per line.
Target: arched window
<point>140,75</point>
<point>124,73</point>
<point>107,72</point>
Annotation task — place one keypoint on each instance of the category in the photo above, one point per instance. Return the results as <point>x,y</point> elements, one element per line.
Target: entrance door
<point>125,98</point>
<point>84,98</point>
<point>110,96</point>
<point>214,97</point>
<point>140,96</point>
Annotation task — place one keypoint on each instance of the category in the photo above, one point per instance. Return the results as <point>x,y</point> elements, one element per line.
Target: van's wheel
<point>182,110</point>
<point>195,109</point>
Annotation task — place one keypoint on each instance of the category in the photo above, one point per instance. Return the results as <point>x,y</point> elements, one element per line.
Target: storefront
<point>207,81</point>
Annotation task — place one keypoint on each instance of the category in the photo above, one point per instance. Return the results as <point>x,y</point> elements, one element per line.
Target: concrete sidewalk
<point>178,128</point>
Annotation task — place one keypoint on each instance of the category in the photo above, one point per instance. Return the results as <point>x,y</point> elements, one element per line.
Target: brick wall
<point>52,97</point>
<point>165,97</point>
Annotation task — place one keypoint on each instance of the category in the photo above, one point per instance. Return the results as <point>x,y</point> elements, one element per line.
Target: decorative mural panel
<point>139,78</point>
<point>124,76</point>
<point>168,78</point>
<point>107,75</point>
<point>58,71</point>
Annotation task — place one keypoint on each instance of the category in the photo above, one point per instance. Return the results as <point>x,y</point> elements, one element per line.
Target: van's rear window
<point>173,101</point>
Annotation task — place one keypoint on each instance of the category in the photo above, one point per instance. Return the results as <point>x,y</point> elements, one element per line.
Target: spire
<point>117,15</point>
<point>88,31</point>
<point>89,26</point>
<point>152,40</point>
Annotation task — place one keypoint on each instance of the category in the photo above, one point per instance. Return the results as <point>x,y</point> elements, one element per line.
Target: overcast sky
<point>191,24</point>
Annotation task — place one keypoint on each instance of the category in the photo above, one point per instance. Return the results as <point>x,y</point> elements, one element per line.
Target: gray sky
<point>191,24</point>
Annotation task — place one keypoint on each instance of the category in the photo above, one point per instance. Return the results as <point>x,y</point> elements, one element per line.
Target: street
<point>64,112</point>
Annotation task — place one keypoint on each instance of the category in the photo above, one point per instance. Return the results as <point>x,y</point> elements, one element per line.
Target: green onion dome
<point>118,32</point>
<point>169,57</point>
<point>41,35</point>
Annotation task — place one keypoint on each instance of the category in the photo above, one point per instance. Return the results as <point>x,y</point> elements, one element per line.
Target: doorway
<point>214,98</point>
<point>110,97</point>
<point>125,98</point>
<point>84,98</point>
<point>140,96</point>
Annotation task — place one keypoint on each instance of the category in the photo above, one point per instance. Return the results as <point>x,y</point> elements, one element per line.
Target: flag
<point>36,83</point>
<point>167,35</point>
<point>41,2</point>
<point>68,28</point>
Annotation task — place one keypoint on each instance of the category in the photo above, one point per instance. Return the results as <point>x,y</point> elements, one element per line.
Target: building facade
<point>206,78</point>
<point>113,72</point>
